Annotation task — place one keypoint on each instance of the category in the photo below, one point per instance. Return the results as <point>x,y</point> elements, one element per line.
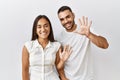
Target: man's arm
<point>85,30</point>
<point>98,40</point>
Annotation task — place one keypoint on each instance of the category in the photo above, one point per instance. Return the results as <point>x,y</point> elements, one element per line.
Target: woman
<point>42,53</point>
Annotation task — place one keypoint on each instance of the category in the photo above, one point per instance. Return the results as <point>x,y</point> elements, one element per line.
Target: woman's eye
<point>46,25</point>
<point>38,26</point>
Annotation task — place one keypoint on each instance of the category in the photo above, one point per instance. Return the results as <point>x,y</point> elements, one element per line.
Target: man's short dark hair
<point>63,8</point>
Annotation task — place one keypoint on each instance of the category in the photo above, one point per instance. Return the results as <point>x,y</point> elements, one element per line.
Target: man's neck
<point>72,29</point>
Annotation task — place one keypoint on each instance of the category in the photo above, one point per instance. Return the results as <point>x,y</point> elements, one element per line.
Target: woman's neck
<point>43,42</point>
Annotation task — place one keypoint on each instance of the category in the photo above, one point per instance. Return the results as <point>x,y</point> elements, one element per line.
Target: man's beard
<point>73,23</point>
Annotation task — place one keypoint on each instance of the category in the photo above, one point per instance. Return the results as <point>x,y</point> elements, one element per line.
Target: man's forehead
<point>64,13</point>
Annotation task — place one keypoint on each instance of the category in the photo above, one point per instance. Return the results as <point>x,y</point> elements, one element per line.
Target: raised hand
<point>84,26</point>
<point>64,55</point>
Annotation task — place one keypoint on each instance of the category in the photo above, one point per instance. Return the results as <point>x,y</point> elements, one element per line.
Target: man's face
<point>67,19</point>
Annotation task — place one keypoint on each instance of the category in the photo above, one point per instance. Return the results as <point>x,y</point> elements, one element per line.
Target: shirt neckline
<point>39,45</point>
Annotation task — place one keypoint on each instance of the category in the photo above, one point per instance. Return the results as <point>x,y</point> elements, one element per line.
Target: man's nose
<point>65,20</point>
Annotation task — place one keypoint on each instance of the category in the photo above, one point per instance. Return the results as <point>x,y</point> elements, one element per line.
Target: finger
<point>90,24</point>
<point>86,23</point>
<point>69,53</point>
<point>70,50</point>
<point>65,48</point>
<point>83,20</point>
<point>60,50</point>
<point>80,22</point>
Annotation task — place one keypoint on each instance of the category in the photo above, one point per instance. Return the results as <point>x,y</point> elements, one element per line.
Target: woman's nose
<point>43,29</point>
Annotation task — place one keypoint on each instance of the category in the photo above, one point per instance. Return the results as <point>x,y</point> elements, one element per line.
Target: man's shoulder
<point>59,35</point>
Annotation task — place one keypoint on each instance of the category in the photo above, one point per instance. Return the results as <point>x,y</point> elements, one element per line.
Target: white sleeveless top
<point>42,61</point>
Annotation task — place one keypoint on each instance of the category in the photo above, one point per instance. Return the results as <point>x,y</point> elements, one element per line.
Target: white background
<point>16,19</point>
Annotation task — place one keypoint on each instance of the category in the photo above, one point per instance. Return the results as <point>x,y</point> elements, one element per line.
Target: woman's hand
<point>64,55</point>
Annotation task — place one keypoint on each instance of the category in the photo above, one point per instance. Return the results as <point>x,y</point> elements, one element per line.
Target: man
<point>77,67</point>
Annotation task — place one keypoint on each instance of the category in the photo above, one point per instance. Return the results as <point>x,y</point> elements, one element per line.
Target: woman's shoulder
<point>29,44</point>
<point>56,43</point>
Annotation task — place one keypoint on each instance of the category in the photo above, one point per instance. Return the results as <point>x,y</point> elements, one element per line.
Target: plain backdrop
<point>16,19</point>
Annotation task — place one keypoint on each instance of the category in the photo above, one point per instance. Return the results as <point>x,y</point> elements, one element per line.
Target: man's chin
<point>69,28</point>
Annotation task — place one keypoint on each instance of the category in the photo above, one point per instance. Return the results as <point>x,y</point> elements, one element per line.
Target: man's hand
<point>84,26</point>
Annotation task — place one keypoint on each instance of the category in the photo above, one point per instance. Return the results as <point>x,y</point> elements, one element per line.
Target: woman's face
<point>43,28</point>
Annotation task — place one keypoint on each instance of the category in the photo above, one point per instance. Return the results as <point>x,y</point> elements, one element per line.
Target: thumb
<point>60,53</point>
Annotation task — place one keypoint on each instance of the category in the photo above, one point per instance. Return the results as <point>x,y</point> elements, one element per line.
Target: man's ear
<point>73,15</point>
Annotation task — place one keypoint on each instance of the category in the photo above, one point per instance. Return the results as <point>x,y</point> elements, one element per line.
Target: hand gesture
<point>64,55</point>
<point>84,26</point>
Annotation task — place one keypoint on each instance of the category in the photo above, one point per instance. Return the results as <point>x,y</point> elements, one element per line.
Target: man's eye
<point>61,19</point>
<point>68,16</point>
